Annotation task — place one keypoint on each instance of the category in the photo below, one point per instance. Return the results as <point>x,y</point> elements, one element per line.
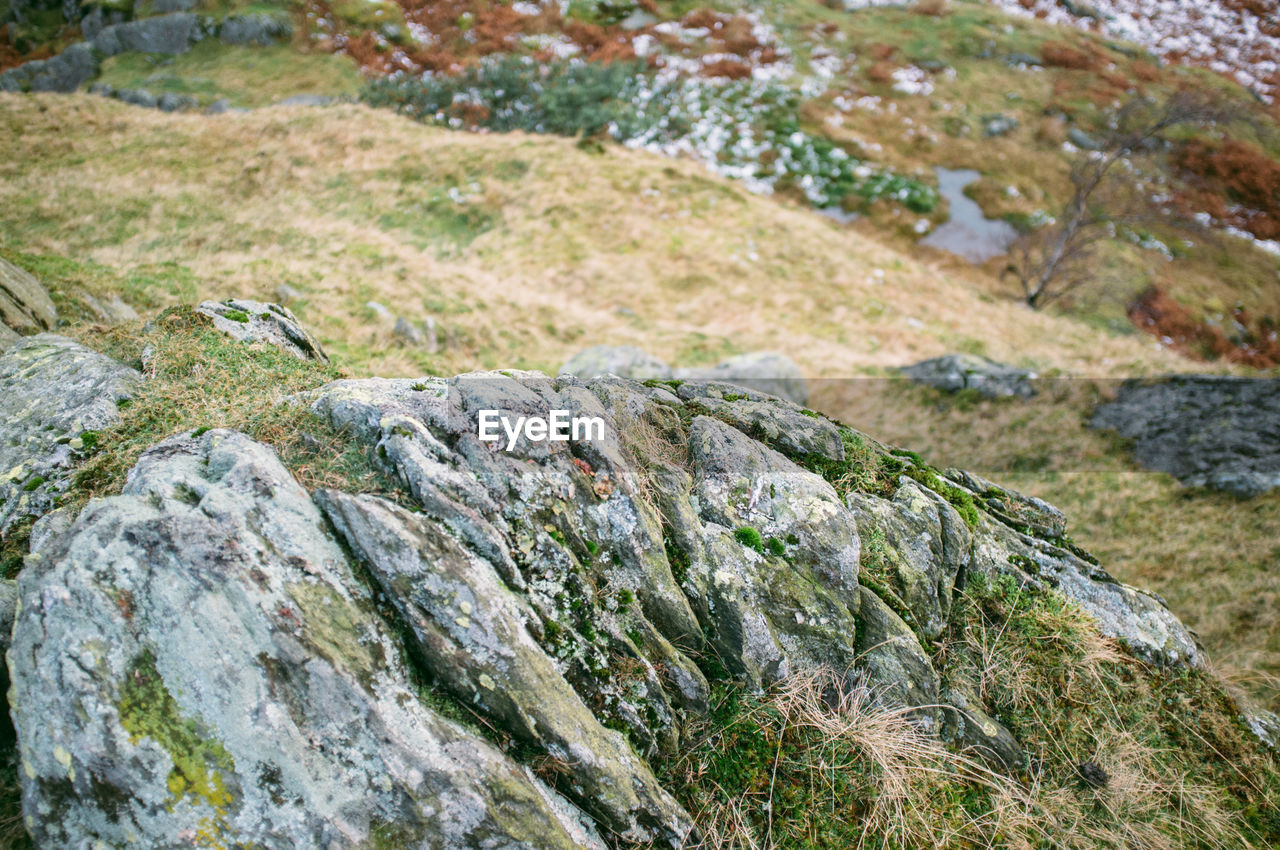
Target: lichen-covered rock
<point>769,419</point>
<point>967,726</point>
<point>955,372</point>
<point>897,666</point>
<point>1137,617</point>
<point>62,73</point>
<point>254,321</point>
<point>25,305</point>
<point>474,634</point>
<point>261,30</point>
<point>55,396</point>
<point>1205,430</point>
<point>625,361</point>
<point>173,33</point>
<point>921,543</point>
<point>194,661</point>
<point>764,371</point>
<point>564,522</point>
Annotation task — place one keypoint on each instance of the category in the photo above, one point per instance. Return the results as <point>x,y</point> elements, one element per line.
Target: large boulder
<point>55,396</point>
<point>270,324</point>
<point>195,660</point>
<point>25,305</point>
<point>173,33</point>
<point>1205,430</point>
<point>625,361</point>
<point>764,371</point>
<point>955,372</point>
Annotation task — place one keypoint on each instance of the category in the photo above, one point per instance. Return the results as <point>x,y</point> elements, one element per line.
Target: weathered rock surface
<point>1205,430</point>
<point>474,632</point>
<point>625,361</point>
<point>955,372</point>
<point>55,395</point>
<point>194,658</point>
<point>62,73</point>
<point>763,371</point>
<point>254,321</point>
<point>25,305</point>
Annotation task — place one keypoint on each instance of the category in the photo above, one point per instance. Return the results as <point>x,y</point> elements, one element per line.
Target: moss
<point>202,768</point>
<point>776,546</point>
<point>33,483</point>
<point>960,499</point>
<point>750,537</point>
<point>237,316</point>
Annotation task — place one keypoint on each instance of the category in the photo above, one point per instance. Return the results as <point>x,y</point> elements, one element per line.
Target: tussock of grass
<point>197,378</point>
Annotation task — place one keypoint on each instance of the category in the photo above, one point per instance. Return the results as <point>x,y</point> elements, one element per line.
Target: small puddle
<point>968,233</point>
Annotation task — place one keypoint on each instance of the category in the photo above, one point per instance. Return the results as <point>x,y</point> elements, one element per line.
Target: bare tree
<point>1053,260</point>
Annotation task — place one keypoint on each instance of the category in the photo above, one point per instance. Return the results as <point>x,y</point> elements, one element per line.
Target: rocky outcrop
<point>955,372</point>
<point>256,322</point>
<point>217,653</point>
<point>1205,430</point>
<point>228,677</point>
<point>55,396</point>
<point>25,305</point>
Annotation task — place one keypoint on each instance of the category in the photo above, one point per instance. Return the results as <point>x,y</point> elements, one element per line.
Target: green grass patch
<point>246,76</point>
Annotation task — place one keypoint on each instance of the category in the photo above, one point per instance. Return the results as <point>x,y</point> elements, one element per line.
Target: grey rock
<point>1082,140</point>
<point>764,371</point>
<point>219,107</point>
<point>262,30</point>
<point>967,726</point>
<point>1205,430</point>
<point>173,33</point>
<point>52,391</point>
<point>1138,618</point>
<point>474,632</point>
<point>284,292</point>
<point>1023,59</point>
<point>955,372</point>
<point>408,332</point>
<point>170,102</point>
<point>998,124</point>
<point>379,309</point>
<point>779,424</point>
<point>625,361</point>
<point>921,544</point>
<point>228,676</point>
<point>109,311</point>
<point>161,7</point>
<point>258,322</point>
<point>897,666</point>
<point>67,71</point>
<point>103,90</point>
<point>8,338</point>
<point>138,97</point>
<point>305,100</point>
<point>8,611</point>
<point>25,305</point>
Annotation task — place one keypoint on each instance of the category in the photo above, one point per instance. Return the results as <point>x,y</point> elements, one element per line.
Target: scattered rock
<point>998,124</point>
<point>172,34</point>
<point>765,371</point>
<point>262,30</point>
<point>170,102</point>
<point>138,97</point>
<point>55,396</point>
<point>955,372</point>
<point>380,309</point>
<point>1082,140</point>
<point>305,100</point>
<point>109,311</point>
<point>25,305</point>
<point>255,321</point>
<point>219,107</point>
<point>229,676</point>
<point>1205,430</point>
<point>408,332</point>
<point>1024,59</point>
<point>65,72</point>
<point>286,293</point>
<point>625,361</point>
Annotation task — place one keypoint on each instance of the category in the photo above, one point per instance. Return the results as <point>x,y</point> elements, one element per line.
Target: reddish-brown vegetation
<point>881,72</point>
<point>1255,344</point>
<point>1055,54</point>
<point>1227,177</point>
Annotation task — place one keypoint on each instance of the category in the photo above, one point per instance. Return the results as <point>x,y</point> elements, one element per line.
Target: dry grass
<point>342,204</point>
